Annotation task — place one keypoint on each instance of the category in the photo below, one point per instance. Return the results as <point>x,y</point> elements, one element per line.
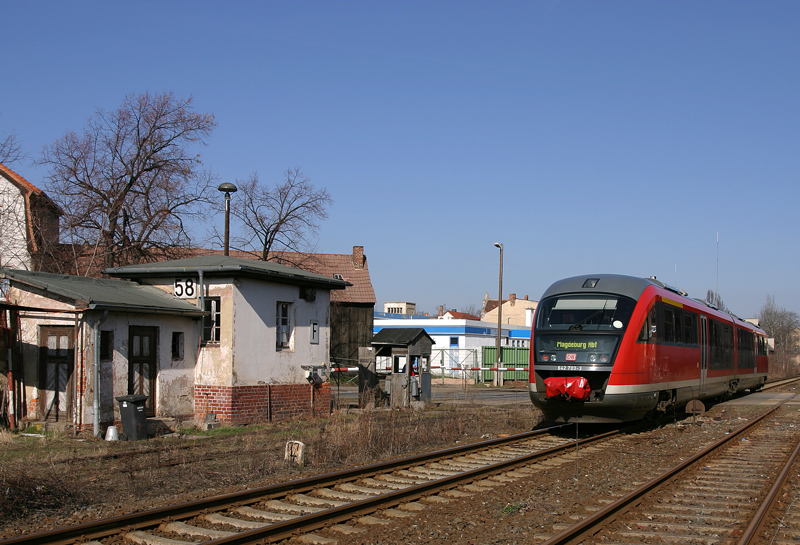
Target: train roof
<point>629,286</point>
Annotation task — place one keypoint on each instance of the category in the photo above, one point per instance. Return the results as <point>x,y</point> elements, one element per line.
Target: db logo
<point>572,357</point>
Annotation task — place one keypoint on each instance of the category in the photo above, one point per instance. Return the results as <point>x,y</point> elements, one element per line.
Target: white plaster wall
<point>13,242</point>
<point>175,378</point>
<point>215,361</point>
<point>256,358</point>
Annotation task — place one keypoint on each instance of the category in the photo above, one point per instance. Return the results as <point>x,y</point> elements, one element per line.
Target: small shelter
<point>410,353</point>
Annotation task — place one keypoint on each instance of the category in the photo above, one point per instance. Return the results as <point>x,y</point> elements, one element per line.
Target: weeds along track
<point>723,494</point>
<point>364,494</point>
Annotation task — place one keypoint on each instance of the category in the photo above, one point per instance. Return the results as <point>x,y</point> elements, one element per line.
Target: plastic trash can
<point>133,413</point>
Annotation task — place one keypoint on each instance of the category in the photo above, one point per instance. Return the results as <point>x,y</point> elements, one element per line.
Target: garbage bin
<point>133,413</point>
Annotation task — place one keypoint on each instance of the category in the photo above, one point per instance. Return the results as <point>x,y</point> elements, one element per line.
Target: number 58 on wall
<point>185,288</point>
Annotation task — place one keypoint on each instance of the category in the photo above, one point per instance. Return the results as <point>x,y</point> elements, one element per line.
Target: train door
<point>142,364</point>
<point>703,353</point>
<point>55,373</point>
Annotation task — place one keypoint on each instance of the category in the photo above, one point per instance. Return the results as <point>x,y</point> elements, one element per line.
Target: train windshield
<point>584,313</point>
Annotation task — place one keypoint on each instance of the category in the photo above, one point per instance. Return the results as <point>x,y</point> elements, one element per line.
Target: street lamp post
<point>498,375</point>
<point>227,188</point>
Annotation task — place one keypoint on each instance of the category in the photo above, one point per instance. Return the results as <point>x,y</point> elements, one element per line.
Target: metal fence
<point>480,364</point>
<point>470,364</point>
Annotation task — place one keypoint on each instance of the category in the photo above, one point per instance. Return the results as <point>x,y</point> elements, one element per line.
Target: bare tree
<point>715,299</point>
<point>284,218</point>
<point>129,182</point>
<point>781,325</point>
<point>10,150</point>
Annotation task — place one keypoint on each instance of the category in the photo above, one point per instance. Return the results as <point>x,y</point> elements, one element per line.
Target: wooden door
<point>143,364</point>
<point>56,365</point>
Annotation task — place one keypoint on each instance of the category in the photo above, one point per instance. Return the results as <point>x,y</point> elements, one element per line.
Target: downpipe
<point>96,374</point>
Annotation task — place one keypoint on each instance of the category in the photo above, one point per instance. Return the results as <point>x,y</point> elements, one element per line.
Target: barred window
<point>283,326</point>
<point>211,321</point>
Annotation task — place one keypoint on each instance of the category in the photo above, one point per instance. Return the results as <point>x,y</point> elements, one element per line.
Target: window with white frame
<point>283,326</point>
<point>211,325</point>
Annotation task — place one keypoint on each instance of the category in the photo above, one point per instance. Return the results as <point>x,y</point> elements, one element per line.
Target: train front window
<point>582,313</point>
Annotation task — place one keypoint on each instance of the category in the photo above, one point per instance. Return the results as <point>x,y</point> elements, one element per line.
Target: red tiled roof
<point>19,181</point>
<point>462,315</point>
<point>346,265</point>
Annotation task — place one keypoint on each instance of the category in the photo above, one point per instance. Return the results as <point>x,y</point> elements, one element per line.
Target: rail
<point>280,530</point>
<point>586,528</point>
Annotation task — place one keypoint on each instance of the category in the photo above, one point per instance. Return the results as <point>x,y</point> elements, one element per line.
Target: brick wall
<point>260,403</point>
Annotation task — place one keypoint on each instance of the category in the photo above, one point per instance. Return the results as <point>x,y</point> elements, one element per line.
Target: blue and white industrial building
<point>458,343</point>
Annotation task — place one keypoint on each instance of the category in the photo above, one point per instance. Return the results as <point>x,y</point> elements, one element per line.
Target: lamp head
<point>227,188</point>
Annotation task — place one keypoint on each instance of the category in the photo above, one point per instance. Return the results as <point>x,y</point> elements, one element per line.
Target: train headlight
<point>604,358</point>
<point>593,358</point>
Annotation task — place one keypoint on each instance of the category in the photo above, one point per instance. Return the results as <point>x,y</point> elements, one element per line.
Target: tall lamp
<point>498,375</point>
<point>227,188</point>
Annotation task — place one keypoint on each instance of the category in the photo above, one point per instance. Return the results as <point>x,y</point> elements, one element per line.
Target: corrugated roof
<point>399,336</point>
<point>100,293</point>
<point>220,265</point>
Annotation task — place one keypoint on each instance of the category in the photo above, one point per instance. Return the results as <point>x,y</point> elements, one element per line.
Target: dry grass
<point>59,476</point>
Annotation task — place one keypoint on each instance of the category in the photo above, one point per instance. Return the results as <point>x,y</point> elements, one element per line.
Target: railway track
<point>723,494</point>
<point>276,512</point>
<point>318,509</point>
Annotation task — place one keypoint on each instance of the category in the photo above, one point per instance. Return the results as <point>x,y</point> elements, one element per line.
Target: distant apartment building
<point>515,311</point>
<point>400,307</point>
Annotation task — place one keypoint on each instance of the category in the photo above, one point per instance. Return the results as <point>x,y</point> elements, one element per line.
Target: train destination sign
<point>576,345</point>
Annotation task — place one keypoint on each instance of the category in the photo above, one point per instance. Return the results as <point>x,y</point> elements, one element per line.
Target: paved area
<point>765,398</point>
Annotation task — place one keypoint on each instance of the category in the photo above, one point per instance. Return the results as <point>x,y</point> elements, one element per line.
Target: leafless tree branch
<point>129,182</point>
<point>281,218</point>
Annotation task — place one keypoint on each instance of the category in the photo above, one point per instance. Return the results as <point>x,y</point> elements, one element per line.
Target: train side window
<point>762,346</point>
<point>690,328</point>
<point>673,329</point>
<point>669,325</point>
<point>746,349</point>
<point>721,345</point>
<point>647,334</point>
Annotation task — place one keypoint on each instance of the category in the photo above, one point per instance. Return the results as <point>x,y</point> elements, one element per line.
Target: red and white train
<point>612,348</point>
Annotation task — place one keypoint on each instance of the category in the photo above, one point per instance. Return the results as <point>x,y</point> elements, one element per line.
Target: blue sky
<point>587,137</point>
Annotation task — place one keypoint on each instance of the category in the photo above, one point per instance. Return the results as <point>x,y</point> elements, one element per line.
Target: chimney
<point>513,298</point>
<point>441,310</point>
<point>358,257</point>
